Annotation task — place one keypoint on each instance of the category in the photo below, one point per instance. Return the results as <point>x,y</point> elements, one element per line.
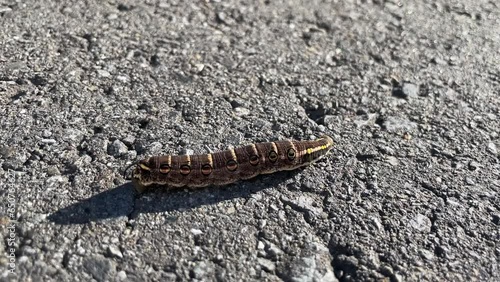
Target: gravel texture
<point>409,90</point>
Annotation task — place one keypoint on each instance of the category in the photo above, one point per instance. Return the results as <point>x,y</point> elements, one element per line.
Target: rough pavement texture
<point>409,91</point>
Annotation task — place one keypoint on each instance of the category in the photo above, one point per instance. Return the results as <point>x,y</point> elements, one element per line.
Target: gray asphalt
<point>409,91</point>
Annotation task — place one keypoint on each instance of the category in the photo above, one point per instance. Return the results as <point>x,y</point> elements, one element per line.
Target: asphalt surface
<point>408,91</point>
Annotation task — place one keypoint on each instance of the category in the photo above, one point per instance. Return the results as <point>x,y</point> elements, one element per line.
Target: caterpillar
<point>228,166</point>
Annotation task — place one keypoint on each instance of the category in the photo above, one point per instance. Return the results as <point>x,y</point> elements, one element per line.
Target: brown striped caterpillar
<point>228,166</point>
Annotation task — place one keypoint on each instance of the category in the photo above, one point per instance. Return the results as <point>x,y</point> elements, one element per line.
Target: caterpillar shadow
<point>123,201</point>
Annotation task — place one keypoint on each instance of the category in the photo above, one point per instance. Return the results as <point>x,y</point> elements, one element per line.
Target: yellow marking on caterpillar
<point>145,167</point>
<point>315,149</point>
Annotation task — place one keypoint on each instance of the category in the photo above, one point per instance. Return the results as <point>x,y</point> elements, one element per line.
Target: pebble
<point>392,160</point>
<point>303,203</point>
<point>273,250</point>
<point>121,276</point>
<point>266,264</point>
<point>56,180</point>
<point>112,16</point>
<point>241,111</point>
<point>469,180</point>
<point>329,120</point>
<point>421,223</point>
<point>23,259</point>
<point>428,255</point>
<point>496,218</point>
<point>99,267</point>
<point>46,133</point>
<point>365,120</point>
<point>376,222</point>
<point>312,268</point>
<point>492,148</point>
<point>117,148</point>
<point>441,251</point>
<point>52,171</point>
<point>386,270</point>
<point>199,68</point>
<point>200,270</point>
<point>6,151</point>
<point>73,134</point>
<point>5,9</point>
<point>103,73</point>
<point>122,78</point>
<point>196,231</point>
<point>28,250</point>
<point>49,141</point>
<point>114,251</point>
<point>262,223</point>
<point>230,210</point>
<point>397,124</point>
<point>260,245</point>
<point>129,140</point>
<point>438,61</point>
<point>473,165</point>
<point>408,90</point>
<point>155,148</point>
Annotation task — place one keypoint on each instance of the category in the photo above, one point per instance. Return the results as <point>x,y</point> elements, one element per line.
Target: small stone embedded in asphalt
<point>196,232</point>
<point>12,165</point>
<point>5,9</point>
<point>376,222</point>
<point>365,120</point>
<point>273,250</point>
<point>46,133</point>
<point>121,276</point>
<point>112,16</point>
<point>114,251</point>
<point>199,68</point>
<point>428,255</point>
<point>200,270</point>
<point>117,148</point>
<point>52,170</point>
<point>103,73</point>
<point>469,180</point>
<point>392,160</point>
<point>154,148</point>
<point>438,61</point>
<point>473,165</point>
<point>329,120</point>
<point>408,90</point>
<point>49,141</point>
<point>266,264</point>
<point>399,125</point>
<point>240,111</point>
<point>441,251</point>
<point>496,218</point>
<point>421,223</point>
<point>129,140</point>
<point>73,135</point>
<point>492,148</point>
<point>101,268</point>
<point>6,151</point>
<point>260,245</point>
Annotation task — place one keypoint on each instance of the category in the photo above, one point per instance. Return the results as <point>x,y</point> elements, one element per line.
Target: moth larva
<point>228,166</point>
